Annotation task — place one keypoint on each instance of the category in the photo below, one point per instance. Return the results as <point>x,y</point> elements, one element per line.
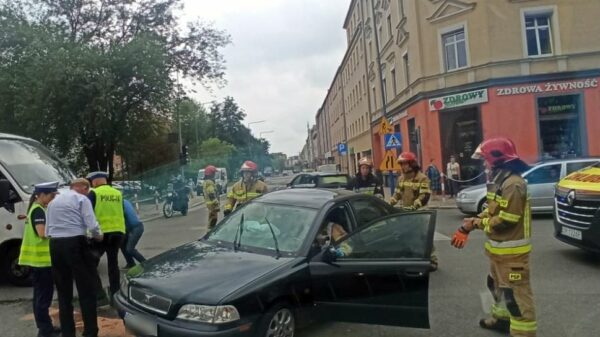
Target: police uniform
<point>507,224</point>
<point>212,201</point>
<point>35,253</point>
<point>241,193</point>
<point>370,185</point>
<point>108,207</point>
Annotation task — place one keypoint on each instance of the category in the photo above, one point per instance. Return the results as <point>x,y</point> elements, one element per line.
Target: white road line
<point>440,237</point>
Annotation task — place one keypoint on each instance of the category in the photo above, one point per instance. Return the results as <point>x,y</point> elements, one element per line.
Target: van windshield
<point>29,163</point>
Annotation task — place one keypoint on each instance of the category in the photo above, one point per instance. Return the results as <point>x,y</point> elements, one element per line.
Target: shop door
<point>460,135</point>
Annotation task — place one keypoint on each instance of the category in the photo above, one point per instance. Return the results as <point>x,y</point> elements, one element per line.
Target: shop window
<point>455,49</point>
<point>538,33</point>
<point>560,126</point>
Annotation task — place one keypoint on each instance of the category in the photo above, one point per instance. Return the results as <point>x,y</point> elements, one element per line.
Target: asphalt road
<point>566,285</point>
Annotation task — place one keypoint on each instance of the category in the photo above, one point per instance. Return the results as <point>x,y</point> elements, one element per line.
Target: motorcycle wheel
<point>168,209</point>
<point>184,211</point>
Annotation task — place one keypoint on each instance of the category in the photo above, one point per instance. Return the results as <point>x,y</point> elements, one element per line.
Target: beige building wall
<point>334,108</point>
<point>412,52</point>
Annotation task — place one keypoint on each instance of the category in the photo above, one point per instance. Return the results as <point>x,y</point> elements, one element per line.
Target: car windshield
<point>290,225</point>
<point>30,163</point>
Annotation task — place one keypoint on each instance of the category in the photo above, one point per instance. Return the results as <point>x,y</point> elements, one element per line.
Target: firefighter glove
<point>460,237</point>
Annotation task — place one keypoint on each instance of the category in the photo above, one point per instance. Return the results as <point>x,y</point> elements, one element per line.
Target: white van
<point>24,162</point>
<point>220,181</point>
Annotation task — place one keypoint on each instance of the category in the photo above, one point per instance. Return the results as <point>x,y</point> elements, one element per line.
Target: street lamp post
<point>256,122</point>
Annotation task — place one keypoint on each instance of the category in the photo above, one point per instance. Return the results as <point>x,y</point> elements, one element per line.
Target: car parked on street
<point>272,266</point>
<point>541,182</point>
<point>320,180</point>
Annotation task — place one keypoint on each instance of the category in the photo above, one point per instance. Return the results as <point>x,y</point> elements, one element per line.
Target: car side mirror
<point>5,200</point>
<point>329,254</point>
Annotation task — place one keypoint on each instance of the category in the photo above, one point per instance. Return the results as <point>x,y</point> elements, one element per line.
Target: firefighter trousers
<point>509,282</point>
<point>213,215</point>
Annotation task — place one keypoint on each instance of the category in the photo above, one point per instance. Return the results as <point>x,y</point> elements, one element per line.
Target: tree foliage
<point>100,75</point>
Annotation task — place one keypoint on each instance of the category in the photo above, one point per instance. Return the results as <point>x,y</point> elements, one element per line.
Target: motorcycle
<point>176,201</point>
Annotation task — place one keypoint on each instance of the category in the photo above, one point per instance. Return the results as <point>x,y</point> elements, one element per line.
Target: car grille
<point>149,301</point>
<point>580,213</point>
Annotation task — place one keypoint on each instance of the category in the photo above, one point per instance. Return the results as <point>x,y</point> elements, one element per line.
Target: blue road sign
<point>393,140</point>
<point>342,149</point>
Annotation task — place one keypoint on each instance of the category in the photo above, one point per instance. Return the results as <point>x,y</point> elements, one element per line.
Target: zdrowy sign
<point>457,100</point>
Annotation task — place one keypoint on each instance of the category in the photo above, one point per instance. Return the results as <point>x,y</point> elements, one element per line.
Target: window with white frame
<point>538,33</point>
<point>374,99</point>
<point>455,49</point>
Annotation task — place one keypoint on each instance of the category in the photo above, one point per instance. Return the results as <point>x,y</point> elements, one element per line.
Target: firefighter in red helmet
<point>211,196</point>
<point>507,224</point>
<point>246,189</point>
<point>413,186</point>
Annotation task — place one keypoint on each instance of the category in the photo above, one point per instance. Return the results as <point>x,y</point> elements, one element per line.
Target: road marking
<point>440,237</point>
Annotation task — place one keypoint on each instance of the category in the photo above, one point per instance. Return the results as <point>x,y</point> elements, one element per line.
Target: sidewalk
<point>436,201</point>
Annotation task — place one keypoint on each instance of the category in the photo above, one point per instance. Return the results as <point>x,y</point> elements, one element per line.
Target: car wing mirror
<point>4,191</point>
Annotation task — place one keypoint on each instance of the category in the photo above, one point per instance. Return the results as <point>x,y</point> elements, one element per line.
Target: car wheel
<point>279,321</point>
<point>482,205</point>
<point>17,275</point>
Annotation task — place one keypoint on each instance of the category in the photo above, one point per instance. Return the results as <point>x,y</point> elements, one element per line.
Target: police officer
<point>211,196</point>
<point>35,253</point>
<point>246,189</point>
<point>507,224</point>
<point>70,218</point>
<point>365,181</point>
<point>414,190</point>
<point>108,207</point>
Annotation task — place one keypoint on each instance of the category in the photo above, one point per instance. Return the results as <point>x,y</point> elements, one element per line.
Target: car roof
<point>325,174</point>
<point>304,197</point>
<point>9,136</point>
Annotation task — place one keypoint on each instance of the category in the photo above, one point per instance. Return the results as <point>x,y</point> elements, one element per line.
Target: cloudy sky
<point>281,62</point>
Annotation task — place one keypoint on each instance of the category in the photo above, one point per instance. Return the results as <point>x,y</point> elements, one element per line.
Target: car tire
<point>482,205</point>
<point>19,276</point>
<point>278,321</point>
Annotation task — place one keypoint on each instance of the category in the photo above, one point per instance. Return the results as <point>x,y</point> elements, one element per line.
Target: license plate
<point>140,325</point>
<point>572,233</point>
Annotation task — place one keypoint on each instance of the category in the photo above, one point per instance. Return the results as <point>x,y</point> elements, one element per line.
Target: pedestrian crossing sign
<point>393,141</point>
<point>389,162</point>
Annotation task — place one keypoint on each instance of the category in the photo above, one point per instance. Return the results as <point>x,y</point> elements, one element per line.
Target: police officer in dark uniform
<point>35,253</point>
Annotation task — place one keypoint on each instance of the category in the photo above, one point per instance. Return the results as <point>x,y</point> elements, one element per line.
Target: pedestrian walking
<point>134,229</point>
<point>108,207</point>
<point>70,217</point>
<point>434,177</point>
<point>365,181</point>
<point>453,175</point>
<point>507,224</point>
<point>35,253</point>
<point>211,197</point>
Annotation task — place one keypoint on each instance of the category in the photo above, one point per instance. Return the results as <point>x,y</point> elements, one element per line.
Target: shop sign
<point>458,100</point>
<point>548,87</point>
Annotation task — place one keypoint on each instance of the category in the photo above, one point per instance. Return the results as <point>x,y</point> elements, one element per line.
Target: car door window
<point>573,167</point>
<point>336,225</point>
<point>307,180</point>
<point>548,174</point>
<point>399,236</point>
<point>367,210</point>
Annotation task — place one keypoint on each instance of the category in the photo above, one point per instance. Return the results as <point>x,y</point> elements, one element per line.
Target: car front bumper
<point>590,238</point>
<point>168,328</point>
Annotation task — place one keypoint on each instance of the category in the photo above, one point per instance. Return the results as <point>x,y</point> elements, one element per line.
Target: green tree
<point>98,74</point>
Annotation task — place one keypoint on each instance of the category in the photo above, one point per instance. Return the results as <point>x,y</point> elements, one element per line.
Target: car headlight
<point>462,195</point>
<point>208,314</point>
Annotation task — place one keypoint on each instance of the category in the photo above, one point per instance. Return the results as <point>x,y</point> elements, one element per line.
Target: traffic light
<point>184,156</point>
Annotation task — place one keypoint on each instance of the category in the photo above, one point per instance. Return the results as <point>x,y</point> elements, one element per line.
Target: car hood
<point>203,273</point>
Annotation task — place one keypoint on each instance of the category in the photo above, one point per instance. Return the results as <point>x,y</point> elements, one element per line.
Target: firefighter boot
<point>502,325</point>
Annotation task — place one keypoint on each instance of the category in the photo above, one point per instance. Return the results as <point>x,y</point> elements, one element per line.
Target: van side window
<point>576,166</point>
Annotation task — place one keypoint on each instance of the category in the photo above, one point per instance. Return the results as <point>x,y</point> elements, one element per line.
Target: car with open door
<point>274,264</point>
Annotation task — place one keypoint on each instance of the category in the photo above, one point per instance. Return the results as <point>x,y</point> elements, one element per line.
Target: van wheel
<point>279,321</point>
<point>19,276</point>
